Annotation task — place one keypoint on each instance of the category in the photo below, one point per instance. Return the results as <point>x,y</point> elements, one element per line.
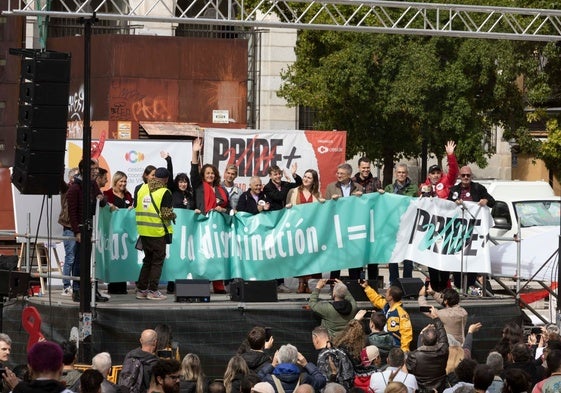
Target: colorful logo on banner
<point>305,239</point>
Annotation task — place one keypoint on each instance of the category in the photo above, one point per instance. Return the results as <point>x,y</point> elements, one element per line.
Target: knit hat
<point>162,173</point>
<point>369,354</point>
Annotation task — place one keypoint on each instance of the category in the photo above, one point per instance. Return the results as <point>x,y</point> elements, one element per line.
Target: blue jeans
<point>69,249</point>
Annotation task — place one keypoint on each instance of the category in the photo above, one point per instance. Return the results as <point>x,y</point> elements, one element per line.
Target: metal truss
<point>390,17</point>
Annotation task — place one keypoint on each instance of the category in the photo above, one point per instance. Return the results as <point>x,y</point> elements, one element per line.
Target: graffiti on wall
<point>76,113</point>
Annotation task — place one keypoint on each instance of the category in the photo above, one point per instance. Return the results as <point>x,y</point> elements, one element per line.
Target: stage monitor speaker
<point>357,290</point>
<point>253,291</point>
<point>13,283</point>
<point>193,291</point>
<point>410,286</point>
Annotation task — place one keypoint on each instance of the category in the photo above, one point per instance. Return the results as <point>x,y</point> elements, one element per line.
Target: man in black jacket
<point>428,362</point>
<point>468,190</point>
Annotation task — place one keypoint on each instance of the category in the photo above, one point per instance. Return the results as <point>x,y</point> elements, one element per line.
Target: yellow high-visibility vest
<point>148,221</point>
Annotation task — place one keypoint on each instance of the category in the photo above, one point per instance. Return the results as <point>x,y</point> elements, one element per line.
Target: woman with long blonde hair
<point>193,379</point>
<point>235,371</point>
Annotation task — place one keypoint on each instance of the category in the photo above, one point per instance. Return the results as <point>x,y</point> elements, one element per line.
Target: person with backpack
<point>137,366</point>
<point>289,370</point>
<point>332,362</point>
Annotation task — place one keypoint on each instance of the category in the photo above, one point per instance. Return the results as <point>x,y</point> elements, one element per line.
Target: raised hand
<point>450,146</point>
<point>197,145</point>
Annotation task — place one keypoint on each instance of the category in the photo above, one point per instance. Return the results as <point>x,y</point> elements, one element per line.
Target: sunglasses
<point>465,175</point>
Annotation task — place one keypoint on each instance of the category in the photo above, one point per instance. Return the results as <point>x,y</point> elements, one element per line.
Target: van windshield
<point>537,213</point>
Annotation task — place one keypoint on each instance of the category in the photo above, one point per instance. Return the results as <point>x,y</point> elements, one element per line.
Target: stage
<point>214,330</point>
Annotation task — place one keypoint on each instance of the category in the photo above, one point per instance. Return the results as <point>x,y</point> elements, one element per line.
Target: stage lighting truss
<point>391,17</point>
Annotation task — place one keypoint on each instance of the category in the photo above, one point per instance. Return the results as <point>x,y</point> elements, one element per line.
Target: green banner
<point>305,239</point>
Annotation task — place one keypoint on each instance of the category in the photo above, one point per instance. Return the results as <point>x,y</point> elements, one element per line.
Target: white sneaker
<point>156,295</point>
<point>67,291</point>
<point>283,289</point>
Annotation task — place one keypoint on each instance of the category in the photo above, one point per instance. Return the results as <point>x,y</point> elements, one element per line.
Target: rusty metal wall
<point>168,79</point>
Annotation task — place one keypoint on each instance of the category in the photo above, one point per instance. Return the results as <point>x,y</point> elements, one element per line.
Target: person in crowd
<point>70,241</point>
<point>468,190</point>
<point>428,362</point>
<point>335,314</point>
<point>148,174</point>
<point>209,194</point>
<point>254,351</point>
<point>458,352</point>
<point>165,376</point>
<point>91,381</point>
<point>333,387</point>
<point>277,190</point>
<point>343,187</point>
<point>516,381</point>
<point>235,372</point>
<point>264,387</point>
<point>382,339</point>
<point>438,185</point>
<point>332,362</point>
<point>290,368</point>
<point>70,375</point>
<point>145,354</point>
<point>118,197</point>
<point>369,184</point>
<point>463,380</point>
<point>166,347</point>
<point>398,323</point>
<point>216,387</point>
<point>370,362</point>
<point>44,360</point>
<point>154,214</point>
<point>351,340</point>
<point>234,192</point>
<point>307,192</point>
<point>254,200</point>
<point>453,316</point>
<point>396,387</point>
<point>102,363</point>
<point>522,358</point>
<point>395,372</point>
<point>495,363</point>
<point>401,186</point>
<point>193,379</point>
<point>102,178</point>
<point>552,380</point>
<point>75,211</point>
<point>482,378</point>
<point>182,195</point>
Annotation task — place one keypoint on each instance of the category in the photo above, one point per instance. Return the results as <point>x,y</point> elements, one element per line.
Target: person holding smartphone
<point>453,316</point>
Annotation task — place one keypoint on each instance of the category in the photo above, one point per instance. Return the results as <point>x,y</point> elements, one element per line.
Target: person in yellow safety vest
<point>154,214</point>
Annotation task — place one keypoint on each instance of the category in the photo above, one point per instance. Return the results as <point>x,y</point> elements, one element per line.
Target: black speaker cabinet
<point>410,286</point>
<point>36,183</point>
<point>192,291</point>
<point>358,291</point>
<point>253,291</point>
<point>13,283</point>
<point>37,139</point>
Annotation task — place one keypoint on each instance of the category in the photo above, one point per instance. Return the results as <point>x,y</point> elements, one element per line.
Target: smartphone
<point>330,281</point>
<point>425,308</point>
<point>268,333</point>
<point>536,330</point>
<point>427,283</point>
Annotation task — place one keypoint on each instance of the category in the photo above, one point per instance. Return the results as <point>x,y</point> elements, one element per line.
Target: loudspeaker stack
<point>42,122</point>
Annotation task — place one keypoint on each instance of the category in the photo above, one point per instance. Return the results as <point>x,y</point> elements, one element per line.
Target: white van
<point>533,203</point>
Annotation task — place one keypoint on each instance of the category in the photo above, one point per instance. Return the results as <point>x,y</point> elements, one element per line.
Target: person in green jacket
<point>334,314</point>
<point>401,186</point>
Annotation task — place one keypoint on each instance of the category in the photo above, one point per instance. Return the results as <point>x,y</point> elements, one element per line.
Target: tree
<point>394,93</point>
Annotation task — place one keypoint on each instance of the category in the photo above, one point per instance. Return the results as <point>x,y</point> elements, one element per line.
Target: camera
<point>424,308</point>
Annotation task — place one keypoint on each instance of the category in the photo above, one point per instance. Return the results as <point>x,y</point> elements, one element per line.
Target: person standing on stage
<point>468,190</point>
<point>401,186</point>
<point>277,190</point>
<point>154,213</point>
<point>438,185</point>
<point>234,192</point>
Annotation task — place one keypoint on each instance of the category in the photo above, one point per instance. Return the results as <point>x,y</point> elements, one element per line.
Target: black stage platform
<point>214,330</point>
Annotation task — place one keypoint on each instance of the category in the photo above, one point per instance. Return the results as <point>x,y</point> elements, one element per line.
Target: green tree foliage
<point>392,92</point>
